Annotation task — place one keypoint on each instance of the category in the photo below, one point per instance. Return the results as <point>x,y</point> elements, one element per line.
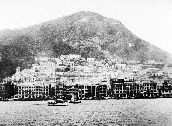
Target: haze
<point>150,20</point>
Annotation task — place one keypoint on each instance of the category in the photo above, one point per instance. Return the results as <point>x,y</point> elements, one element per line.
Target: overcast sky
<point>151,20</point>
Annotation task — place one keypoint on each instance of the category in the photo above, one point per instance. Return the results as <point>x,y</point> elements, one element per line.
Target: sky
<point>151,20</point>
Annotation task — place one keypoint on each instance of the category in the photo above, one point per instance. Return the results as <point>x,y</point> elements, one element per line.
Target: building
<point>3,91</point>
<point>7,90</point>
<point>102,91</point>
<point>166,89</point>
<point>60,90</point>
<point>121,88</point>
<point>31,91</point>
<point>149,89</point>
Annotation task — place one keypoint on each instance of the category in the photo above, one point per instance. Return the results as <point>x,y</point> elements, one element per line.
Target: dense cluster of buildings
<point>87,79</point>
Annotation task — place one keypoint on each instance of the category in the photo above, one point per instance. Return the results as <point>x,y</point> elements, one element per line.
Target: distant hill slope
<point>85,33</point>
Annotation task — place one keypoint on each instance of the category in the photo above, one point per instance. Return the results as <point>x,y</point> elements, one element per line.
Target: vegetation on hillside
<point>85,33</point>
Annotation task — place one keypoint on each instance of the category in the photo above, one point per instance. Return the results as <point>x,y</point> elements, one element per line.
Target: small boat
<point>57,102</point>
<point>16,99</point>
<point>106,98</point>
<point>75,102</point>
<point>10,99</point>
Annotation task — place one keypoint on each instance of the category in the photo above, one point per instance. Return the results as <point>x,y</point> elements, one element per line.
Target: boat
<point>57,102</point>
<point>16,99</point>
<point>10,99</point>
<point>106,98</point>
<point>75,102</point>
<point>74,99</point>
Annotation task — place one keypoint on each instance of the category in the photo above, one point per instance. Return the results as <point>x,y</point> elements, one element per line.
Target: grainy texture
<point>136,112</point>
<point>85,33</point>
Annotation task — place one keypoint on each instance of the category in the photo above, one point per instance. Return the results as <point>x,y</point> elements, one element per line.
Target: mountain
<point>86,33</point>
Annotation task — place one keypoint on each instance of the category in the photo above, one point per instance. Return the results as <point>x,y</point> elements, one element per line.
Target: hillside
<point>85,33</point>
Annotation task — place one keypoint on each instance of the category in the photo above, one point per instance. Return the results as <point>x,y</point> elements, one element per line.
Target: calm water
<point>134,112</point>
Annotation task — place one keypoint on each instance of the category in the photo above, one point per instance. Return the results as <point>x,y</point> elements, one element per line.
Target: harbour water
<point>124,112</point>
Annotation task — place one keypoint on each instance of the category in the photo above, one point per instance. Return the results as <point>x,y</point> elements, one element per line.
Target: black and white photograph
<point>85,62</point>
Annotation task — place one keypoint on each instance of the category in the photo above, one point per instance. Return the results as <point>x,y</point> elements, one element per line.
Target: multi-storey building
<point>4,93</point>
<point>86,91</point>
<point>30,91</point>
<point>59,90</point>
<point>149,89</point>
<point>121,88</point>
<point>102,91</point>
<point>7,90</point>
<point>166,89</point>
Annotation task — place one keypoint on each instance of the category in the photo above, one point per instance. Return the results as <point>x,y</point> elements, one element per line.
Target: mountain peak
<point>86,33</point>
<point>87,13</point>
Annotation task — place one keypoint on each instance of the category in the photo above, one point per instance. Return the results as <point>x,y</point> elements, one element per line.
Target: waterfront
<point>125,112</point>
